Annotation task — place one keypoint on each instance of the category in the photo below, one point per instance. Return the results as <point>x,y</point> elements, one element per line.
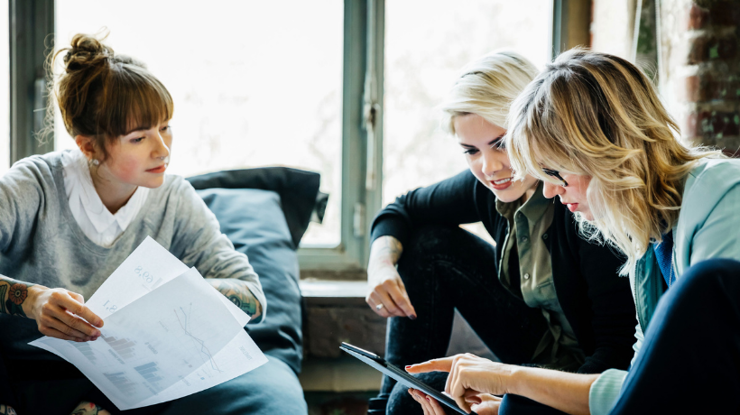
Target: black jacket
<point>596,301</point>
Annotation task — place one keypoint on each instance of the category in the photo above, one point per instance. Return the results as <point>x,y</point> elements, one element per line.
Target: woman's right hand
<point>62,314</point>
<point>387,295</point>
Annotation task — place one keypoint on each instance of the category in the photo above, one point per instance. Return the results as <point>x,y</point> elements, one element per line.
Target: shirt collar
<point>534,208</point>
<point>78,172</point>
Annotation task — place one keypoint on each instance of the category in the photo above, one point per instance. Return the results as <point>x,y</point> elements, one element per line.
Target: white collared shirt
<point>96,221</point>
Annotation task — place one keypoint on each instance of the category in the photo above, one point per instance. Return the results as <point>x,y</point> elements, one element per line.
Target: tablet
<point>401,376</point>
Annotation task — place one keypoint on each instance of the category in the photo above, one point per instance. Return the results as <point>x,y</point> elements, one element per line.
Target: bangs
<point>538,137</point>
<point>133,100</point>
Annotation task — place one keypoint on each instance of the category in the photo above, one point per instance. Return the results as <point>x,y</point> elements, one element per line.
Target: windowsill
<point>324,275</point>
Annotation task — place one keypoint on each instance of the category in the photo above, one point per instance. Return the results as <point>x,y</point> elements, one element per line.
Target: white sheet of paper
<point>177,338</point>
<point>150,265</point>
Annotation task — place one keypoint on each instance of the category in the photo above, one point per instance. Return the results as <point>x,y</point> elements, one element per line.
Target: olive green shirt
<point>528,222</point>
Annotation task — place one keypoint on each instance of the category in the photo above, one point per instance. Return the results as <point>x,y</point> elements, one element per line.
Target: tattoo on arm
<point>12,295</point>
<point>7,410</point>
<point>89,408</point>
<point>238,293</point>
<point>389,249</point>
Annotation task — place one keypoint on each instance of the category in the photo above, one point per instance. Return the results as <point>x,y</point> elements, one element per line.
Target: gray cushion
<point>254,221</point>
<point>298,190</point>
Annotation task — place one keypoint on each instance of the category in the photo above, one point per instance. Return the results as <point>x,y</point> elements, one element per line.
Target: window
<point>254,83</point>
<point>427,43</point>
<point>291,82</point>
<point>4,90</point>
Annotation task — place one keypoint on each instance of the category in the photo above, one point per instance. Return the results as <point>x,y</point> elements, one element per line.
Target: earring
<point>94,162</point>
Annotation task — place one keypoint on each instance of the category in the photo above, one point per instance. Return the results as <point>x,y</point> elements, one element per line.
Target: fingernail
<point>412,317</point>
<point>429,399</point>
<point>408,366</point>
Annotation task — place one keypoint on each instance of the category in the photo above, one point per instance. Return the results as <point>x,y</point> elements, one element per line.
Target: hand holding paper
<point>167,333</point>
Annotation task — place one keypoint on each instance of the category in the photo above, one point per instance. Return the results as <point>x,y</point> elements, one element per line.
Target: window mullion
<point>31,25</point>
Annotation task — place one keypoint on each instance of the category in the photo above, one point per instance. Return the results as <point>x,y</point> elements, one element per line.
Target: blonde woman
<point>591,126</point>
<point>542,296</point>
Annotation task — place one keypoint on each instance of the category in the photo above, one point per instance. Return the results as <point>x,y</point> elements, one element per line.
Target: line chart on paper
<point>183,318</point>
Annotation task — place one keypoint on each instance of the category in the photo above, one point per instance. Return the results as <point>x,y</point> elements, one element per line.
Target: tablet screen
<point>400,376</point>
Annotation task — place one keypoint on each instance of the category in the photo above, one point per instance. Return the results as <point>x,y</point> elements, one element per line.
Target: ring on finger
<point>379,306</point>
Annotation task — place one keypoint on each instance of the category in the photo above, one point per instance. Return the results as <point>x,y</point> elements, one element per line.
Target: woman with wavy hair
<point>593,129</point>
<point>542,296</point>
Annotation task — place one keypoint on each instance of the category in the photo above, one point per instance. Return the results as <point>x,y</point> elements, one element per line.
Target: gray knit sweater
<point>41,243</point>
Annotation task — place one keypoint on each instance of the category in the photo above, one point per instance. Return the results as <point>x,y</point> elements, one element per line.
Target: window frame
<point>30,22</point>
<point>363,68</point>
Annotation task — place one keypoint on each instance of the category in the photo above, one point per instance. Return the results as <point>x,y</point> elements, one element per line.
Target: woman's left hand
<point>470,375</point>
<point>483,404</point>
<point>429,405</point>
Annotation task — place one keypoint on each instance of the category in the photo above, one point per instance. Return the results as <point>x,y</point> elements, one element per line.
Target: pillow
<point>255,223</point>
<point>298,190</point>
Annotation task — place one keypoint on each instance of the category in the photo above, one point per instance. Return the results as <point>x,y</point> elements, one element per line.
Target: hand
<point>429,405</point>
<point>470,375</point>
<point>483,404</point>
<point>62,314</point>
<point>387,288</point>
<point>488,404</point>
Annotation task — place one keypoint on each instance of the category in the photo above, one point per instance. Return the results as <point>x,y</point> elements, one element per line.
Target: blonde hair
<point>104,95</point>
<point>598,115</point>
<point>486,87</point>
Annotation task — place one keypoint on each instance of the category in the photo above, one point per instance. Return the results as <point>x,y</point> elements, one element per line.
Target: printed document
<point>167,333</point>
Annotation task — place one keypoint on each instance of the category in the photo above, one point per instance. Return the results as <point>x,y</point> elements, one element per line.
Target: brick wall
<point>700,69</point>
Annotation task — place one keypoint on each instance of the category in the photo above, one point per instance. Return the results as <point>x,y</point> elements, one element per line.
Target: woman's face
<point>489,163</point>
<point>573,196</point>
<point>140,157</point>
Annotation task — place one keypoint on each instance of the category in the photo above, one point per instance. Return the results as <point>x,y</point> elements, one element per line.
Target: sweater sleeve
<point>199,239</point>
<point>712,239</point>
<point>21,200</point>
<point>604,392</point>
<point>449,202</point>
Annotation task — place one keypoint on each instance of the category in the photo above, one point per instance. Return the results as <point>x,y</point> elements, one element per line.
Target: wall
<point>700,69</point>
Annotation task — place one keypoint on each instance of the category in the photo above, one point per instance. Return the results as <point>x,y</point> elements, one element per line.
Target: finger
<point>52,332</point>
<point>374,300</point>
<point>67,322</point>
<point>440,365</point>
<point>66,301</point>
<point>406,293</point>
<point>454,387</point>
<point>51,324</point>
<point>77,297</point>
<point>385,298</point>
<point>434,405</point>
<point>420,401</point>
<point>399,296</point>
<point>472,397</point>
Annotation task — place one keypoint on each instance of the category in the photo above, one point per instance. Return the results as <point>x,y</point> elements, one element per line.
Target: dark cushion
<point>298,190</point>
<point>254,221</point>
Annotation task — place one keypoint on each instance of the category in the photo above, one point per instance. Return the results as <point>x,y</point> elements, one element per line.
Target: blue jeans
<point>690,359</point>
<point>272,388</point>
<point>444,268</point>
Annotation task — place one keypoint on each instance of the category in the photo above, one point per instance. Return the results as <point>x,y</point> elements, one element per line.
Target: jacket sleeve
<point>449,202</point>
<point>712,239</point>
<point>612,306</point>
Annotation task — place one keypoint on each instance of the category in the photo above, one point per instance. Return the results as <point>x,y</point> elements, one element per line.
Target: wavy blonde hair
<point>598,115</point>
<point>487,86</point>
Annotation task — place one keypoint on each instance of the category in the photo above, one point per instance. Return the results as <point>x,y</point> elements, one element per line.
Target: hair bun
<point>86,51</point>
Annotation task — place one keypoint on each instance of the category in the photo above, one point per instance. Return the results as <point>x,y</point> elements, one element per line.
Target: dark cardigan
<point>596,301</point>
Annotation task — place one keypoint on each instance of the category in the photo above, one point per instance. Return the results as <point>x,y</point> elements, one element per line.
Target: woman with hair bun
<point>592,128</point>
<point>70,218</point>
<point>542,296</point>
